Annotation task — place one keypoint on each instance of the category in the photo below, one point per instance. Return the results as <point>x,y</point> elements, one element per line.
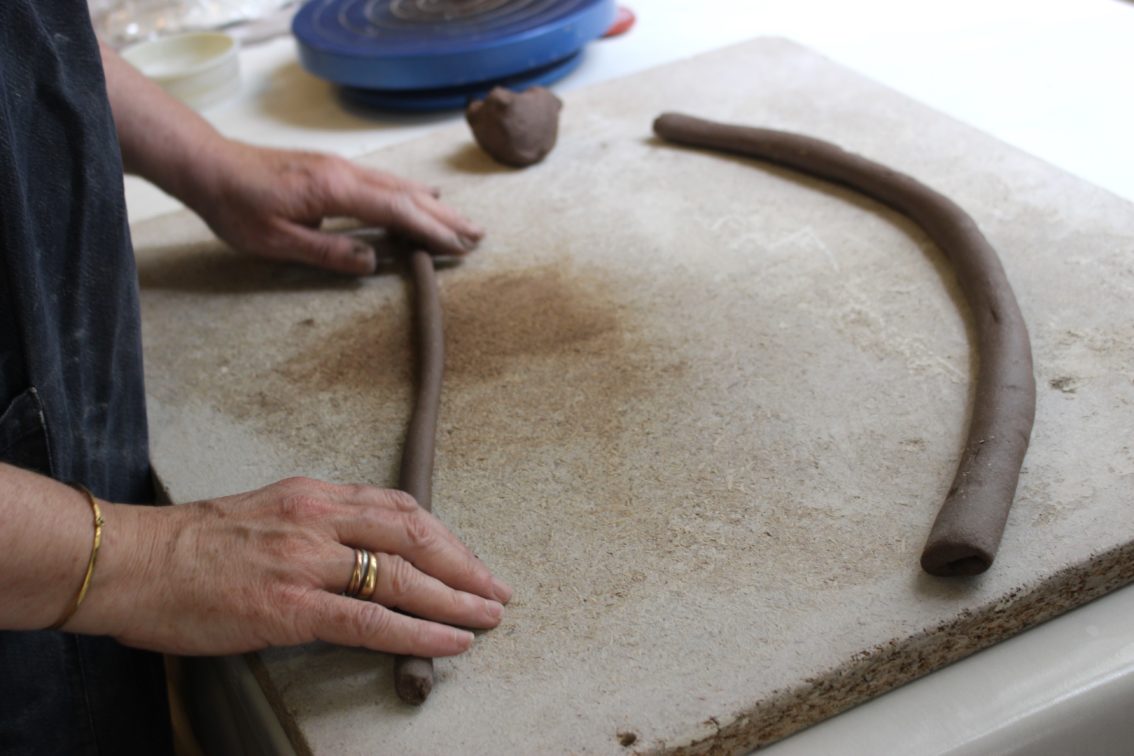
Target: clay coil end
<point>413,679</point>
<point>945,559</point>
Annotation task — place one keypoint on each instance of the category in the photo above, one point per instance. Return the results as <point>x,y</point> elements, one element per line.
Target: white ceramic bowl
<point>198,68</point>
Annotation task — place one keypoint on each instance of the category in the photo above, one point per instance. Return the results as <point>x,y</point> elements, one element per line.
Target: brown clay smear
<point>490,320</point>
<point>342,385</point>
<point>538,312</point>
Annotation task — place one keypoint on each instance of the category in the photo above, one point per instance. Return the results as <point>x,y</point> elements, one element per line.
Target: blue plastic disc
<point>422,45</point>
<point>452,98</point>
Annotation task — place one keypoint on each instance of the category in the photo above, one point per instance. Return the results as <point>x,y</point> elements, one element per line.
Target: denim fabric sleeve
<point>72,402</point>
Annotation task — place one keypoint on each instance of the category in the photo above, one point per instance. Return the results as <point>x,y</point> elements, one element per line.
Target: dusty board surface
<point>700,413</point>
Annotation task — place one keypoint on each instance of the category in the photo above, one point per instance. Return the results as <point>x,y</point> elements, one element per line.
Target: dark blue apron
<point>71,394</point>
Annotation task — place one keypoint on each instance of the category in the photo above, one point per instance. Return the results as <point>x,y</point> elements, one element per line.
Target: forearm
<point>162,139</point>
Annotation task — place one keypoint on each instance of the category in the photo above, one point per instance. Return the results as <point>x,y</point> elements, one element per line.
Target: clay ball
<point>516,129</point>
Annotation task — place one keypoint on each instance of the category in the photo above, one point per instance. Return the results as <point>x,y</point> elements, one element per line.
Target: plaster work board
<point>699,412</point>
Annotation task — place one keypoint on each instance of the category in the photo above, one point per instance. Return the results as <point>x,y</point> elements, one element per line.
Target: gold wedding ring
<point>355,575</point>
<point>364,576</point>
<point>370,582</point>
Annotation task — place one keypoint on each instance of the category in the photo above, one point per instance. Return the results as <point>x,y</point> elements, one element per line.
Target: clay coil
<point>968,528</point>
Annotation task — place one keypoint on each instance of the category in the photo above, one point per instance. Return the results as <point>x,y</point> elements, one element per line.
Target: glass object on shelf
<point>123,22</point>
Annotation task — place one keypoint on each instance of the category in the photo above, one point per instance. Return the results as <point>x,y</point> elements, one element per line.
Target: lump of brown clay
<point>516,129</point>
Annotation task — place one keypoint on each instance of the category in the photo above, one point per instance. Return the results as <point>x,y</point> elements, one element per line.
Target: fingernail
<point>494,609</point>
<point>463,638</point>
<point>501,590</point>
<point>365,252</point>
<point>468,242</point>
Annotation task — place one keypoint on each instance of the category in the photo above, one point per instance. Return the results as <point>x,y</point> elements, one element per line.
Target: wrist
<point>127,579</point>
<point>195,175</point>
<point>92,560</point>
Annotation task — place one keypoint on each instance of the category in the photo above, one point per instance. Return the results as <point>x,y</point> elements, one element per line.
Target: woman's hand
<point>266,568</point>
<point>271,203</point>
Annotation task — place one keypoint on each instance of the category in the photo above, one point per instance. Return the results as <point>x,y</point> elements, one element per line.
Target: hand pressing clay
<point>516,129</point>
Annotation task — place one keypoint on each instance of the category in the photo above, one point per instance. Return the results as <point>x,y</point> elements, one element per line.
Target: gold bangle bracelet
<point>82,594</point>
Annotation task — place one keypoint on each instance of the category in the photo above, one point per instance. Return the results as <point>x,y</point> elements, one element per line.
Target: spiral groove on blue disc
<point>454,98</point>
<point>420,47</point>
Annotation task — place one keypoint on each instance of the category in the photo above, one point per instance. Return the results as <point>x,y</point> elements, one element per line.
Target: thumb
<point>337,252</point>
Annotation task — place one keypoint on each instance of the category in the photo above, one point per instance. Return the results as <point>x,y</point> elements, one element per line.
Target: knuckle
<point>297,483</point>
<point>357,491</point>
<point>404,202</point>
<point>292,598</point>
<point>401,578</point>
<point>322,252</point>
<point>295,507</point>
<point>273,236</point>
<point>302,506</point>
<point>355,494</point>
<point>369,621</point>
<point>418,532</point>
<point>330,175</point>
<point>470,573</point>
<point>401,501</point>
<point>399,205</point>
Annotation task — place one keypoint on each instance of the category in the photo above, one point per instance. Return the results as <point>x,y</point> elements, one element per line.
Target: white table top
<point>1052,77</point>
